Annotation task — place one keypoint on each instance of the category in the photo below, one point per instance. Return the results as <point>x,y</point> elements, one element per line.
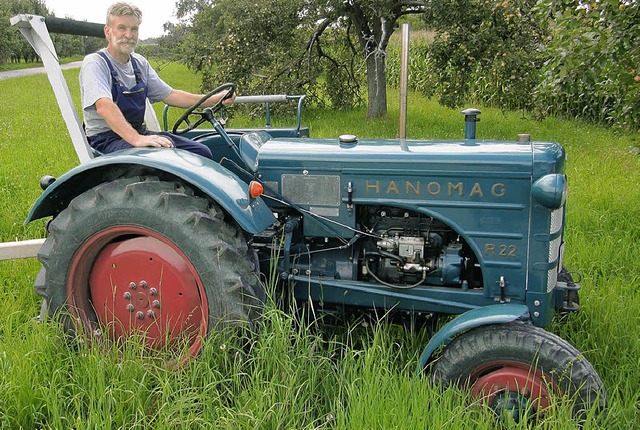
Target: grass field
<point>296,377</point>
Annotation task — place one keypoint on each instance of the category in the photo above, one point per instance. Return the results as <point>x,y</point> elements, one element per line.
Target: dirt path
<point>35,70</point>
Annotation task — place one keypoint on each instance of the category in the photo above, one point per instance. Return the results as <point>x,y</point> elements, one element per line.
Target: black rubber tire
<point>214,246</point>
<point>563,369</point>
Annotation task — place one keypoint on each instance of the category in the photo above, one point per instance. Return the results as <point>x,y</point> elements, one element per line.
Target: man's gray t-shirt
<point>96,83</point>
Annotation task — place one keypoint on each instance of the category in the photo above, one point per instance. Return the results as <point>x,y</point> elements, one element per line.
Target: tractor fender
<point>493,314</point>
<point>232,194</point>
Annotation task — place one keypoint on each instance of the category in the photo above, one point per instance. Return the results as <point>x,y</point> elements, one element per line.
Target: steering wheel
<point>206,114</point>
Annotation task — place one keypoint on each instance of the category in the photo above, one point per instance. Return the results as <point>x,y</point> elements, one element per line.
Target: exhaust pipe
<point>470,119</point>
<point>404,77</point>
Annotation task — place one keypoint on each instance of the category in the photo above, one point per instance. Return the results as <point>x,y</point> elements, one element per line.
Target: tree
<point>486,50</point>
<point>92,44</point>
<point>315,46</point>
<point>12,45</point>
<point>5,35</point>
<point>374,21</point>
<point>593,71</point>
<point>67,45</point>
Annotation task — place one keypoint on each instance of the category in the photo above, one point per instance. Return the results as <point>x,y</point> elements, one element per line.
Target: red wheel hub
<point>132,280</point>
<point>497,378</point>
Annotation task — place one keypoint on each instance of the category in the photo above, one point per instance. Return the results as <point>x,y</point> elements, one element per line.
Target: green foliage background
<point>569,58</point>
<point>592,69</point>
<point>560,57</point>
<point>15,49</point>
<point>263,47</point>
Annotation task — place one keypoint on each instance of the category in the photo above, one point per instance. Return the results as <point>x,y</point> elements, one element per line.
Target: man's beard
<point>125,47</point>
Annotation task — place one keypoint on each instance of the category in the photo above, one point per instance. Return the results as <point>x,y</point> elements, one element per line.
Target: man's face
<point>122,33</point>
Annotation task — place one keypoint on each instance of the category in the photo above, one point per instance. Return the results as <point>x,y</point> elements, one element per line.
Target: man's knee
<point>191,145</point>
<point>203,150</point>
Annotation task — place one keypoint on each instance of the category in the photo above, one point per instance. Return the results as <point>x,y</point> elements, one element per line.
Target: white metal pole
<point>22,249</point>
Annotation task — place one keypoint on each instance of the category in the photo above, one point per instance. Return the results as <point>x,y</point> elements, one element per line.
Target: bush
<point>484,50</point>
<point>593,71</point>
<point>545,57</point>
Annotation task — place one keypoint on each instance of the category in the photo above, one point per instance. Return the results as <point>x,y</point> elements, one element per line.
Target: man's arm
<point>183,99</point>
<point>108,110</point>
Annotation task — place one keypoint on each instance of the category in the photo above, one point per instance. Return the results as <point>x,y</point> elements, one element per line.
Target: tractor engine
<point>404,249</point>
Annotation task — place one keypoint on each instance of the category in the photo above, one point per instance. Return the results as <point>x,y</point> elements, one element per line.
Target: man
<point>115,83</point>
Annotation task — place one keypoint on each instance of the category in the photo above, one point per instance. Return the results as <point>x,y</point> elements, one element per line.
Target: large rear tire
<point>519,369</point>
<point>140,256</point>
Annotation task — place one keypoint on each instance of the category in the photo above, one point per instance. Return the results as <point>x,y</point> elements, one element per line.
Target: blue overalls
<point>132,103</point>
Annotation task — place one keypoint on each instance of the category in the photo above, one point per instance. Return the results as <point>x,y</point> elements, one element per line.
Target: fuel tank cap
<point>348,139</point>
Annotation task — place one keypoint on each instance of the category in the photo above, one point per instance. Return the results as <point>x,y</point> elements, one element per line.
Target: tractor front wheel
<point>140,256</point>
<point>519,370</point>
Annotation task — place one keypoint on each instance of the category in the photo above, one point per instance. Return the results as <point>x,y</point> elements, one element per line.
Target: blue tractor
<point>170,244</point>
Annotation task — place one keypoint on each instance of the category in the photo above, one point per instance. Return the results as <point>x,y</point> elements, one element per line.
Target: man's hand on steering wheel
<point>228,97</point>
<point>224,95</point>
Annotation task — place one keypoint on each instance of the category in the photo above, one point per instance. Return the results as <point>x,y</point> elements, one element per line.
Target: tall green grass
<point>297,376</point>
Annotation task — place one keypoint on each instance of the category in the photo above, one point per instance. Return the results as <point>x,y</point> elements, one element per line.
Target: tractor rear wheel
<point>519,369</point>
<point>140,256</point>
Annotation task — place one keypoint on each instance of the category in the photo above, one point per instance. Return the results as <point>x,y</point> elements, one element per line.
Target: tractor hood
<point>415,157</point>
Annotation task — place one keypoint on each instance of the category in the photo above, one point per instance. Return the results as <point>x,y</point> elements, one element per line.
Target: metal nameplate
<point>318,190</point>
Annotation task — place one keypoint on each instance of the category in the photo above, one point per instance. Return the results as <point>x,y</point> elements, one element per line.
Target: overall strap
<point>136,70</point>
<point>114,76</point>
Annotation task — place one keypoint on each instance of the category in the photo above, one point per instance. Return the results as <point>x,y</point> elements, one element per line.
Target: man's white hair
<point>123,9</point>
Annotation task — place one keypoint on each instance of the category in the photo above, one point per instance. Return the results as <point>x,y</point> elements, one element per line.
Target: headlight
<point>550,190</point>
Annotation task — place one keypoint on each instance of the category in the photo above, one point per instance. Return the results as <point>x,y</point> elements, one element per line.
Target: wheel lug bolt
<point>156,304</point>
<point>140,315</point>
<point>153,291</point>
<point>151,314</point>
<point>132,285</point>
<point>130,307</point>
<point>127,295</point>
<point>143,284</point>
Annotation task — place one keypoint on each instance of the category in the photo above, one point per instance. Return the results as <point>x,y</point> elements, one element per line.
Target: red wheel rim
<point>492,379</point>
<point>130,280</point>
